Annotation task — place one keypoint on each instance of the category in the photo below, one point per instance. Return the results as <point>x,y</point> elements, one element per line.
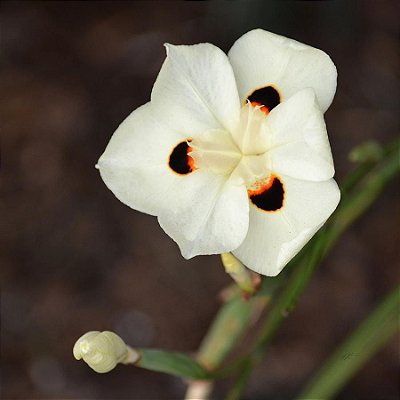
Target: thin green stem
<point>241,382</point>
<point>356,350</point>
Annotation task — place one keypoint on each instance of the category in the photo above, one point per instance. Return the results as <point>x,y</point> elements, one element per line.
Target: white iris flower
<point>231,153</point>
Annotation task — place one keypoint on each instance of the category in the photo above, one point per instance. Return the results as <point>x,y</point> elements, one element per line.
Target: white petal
<point>260,58</point>
<point>274,238</point>
<point>200,210</point>
<point>210,218</point>
<point>299,142</point>
<point>134,165</point>
<point>196,89</point>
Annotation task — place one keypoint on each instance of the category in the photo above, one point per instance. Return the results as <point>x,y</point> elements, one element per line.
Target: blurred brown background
<point>76,259</point>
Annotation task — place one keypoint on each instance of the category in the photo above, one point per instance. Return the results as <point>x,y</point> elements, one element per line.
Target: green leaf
<point>356,350</point>
<point>172,363</point>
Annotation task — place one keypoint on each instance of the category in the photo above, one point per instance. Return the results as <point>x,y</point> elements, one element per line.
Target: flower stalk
<point>246,280</point>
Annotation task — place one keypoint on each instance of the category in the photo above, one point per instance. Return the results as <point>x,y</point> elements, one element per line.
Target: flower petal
<point>299,142</point>
<point>201,211</point>
<point>196,89</point>
<point>210,218</point>
<point>274,238</point>
<point>134,165</point>
<point>261,59</point>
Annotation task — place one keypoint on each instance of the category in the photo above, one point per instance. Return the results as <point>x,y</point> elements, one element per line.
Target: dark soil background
<point>76,259</point>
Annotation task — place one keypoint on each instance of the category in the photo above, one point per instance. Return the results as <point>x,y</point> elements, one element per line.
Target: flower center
<point>241,153</point>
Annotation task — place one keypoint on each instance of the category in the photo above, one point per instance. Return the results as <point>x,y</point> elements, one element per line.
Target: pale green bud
<point>102,351</point>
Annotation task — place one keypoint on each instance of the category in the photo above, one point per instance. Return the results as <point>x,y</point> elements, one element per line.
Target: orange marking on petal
<point>191,160</point>
<point>261,186</point>
<point>262,107</point>
<point>268,194</point>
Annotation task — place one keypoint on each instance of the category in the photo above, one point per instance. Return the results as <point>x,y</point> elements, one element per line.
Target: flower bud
<point>102,351</point>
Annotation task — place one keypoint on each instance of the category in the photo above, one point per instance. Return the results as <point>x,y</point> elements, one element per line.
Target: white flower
<point>231,153</point>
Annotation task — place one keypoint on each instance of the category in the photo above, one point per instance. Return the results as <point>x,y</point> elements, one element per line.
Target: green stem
<point>241,382</point>
<point>356,350</point>
<point>230,325</point>
<point>349,211</point>
<point>232,320</point>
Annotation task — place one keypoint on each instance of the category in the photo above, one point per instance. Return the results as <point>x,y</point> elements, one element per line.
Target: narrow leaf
<point>172,363</point>
<point>356,350</point>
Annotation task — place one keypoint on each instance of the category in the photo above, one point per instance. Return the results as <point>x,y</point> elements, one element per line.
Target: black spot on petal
<point>270,198</point>
<point>179,160</point>
<point>267,96</point>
